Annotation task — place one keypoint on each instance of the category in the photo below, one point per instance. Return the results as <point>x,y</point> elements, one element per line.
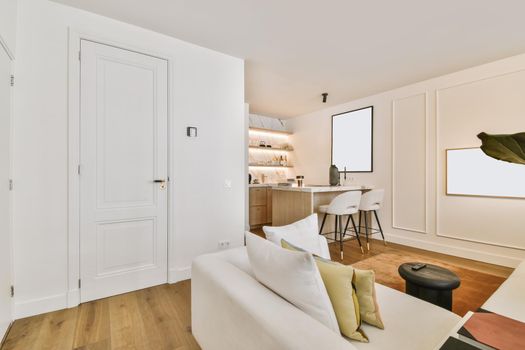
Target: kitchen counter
<point>290,204</point>
<point>317,189</point>
<point>261,185</point>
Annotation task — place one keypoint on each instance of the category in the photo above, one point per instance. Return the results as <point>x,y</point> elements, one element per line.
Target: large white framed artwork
<point>352,140</point>
<point>470,172</point>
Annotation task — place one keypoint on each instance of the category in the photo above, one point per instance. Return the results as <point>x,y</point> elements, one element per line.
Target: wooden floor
<point>159,317</point>
<point>150,319</point>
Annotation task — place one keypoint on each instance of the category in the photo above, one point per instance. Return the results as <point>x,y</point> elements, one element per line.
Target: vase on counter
<point>334,175</point>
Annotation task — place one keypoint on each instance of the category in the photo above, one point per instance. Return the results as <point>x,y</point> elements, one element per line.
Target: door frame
<point>5,48</point>
<point>75,36</point>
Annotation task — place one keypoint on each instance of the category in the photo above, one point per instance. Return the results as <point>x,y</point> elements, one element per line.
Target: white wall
<point>413,126</point>
<point>8,19</point>
<point>207,91</point>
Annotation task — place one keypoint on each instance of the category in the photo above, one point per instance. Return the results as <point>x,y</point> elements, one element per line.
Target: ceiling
<point>297,49</point>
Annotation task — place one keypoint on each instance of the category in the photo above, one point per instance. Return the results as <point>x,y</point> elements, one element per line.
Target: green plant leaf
<point>509,148</point>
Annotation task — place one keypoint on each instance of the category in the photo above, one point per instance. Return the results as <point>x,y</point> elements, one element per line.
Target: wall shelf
<point>270,131</point>
<point>272,149</point>
<point>270,166</point>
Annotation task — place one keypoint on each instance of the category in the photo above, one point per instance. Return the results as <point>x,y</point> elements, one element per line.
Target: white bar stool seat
<point>344,204</point>
<point>371,202</point>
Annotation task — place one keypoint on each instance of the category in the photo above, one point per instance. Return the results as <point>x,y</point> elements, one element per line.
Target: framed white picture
<point>470,172</point>
<point>353,141</point>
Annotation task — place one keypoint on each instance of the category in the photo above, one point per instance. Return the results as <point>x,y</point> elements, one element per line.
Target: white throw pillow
<point>294,276</point>
<point>302,234</point>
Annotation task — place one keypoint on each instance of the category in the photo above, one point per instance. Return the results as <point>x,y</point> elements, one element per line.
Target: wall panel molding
<point>441,168</point>
<point>397,208</point>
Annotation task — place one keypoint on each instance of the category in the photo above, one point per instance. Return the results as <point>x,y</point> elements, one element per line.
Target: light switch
<point>227,183</point>
<point>191,131</point>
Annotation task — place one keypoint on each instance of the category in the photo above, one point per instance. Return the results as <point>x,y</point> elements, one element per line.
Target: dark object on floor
<point>432,283</point>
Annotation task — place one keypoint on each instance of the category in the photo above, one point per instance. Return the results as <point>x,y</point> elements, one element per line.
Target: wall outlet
<point>224,244</point>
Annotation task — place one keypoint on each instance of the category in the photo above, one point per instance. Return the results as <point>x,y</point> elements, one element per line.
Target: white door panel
<point>5,208</point>
<point>123,150</point>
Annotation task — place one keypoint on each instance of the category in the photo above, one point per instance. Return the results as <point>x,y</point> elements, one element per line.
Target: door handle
<point>162,183</point>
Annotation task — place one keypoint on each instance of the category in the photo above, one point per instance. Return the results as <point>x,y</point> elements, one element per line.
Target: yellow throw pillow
<point>337,279</point>
<point>364,282</point>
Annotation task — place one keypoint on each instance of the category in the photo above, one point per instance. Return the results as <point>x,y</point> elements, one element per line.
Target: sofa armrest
<point>508,299</point>
<point>231,310</point>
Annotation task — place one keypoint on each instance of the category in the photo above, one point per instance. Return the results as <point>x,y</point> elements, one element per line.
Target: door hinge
<point>79,56</point>
<point>10,184</point>
<point>12,291</point>
<point>79,283</point>
<point>12,81</point>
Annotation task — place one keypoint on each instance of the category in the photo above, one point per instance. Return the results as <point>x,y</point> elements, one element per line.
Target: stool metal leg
<point>360,212</point>
<point>335,228</point>
<point>380,228</point>
<point>366,231</point>
<point>356,233</point>
<point>322,225</point>
<point>341,234</point>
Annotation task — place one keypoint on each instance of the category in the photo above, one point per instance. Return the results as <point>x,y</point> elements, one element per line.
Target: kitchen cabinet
<point>260,199</point>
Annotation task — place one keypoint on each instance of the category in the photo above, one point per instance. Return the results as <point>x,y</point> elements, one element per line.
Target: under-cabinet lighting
<point>257,148</point>
<point>273,133</point>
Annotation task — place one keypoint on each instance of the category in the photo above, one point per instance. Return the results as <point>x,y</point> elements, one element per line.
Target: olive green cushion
<point>364,284</point>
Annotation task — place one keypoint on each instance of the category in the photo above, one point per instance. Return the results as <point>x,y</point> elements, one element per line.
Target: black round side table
<point>431,283</point>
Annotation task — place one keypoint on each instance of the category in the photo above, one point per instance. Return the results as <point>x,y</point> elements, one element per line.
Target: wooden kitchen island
<point>290,204</point>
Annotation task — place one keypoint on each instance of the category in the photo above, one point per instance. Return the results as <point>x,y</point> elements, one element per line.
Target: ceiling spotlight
<point>325,96</point>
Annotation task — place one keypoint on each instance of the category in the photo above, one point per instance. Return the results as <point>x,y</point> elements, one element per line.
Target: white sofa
<point>231,310</point>
<point>509,299</point>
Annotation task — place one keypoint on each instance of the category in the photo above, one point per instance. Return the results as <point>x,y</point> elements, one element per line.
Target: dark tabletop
<point>431,276</point>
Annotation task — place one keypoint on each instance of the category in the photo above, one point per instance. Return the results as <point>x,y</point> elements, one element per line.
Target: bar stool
<point>370,202</point>
<point>344,204</point>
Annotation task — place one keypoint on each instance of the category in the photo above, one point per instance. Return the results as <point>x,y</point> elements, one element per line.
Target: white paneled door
<point>5,211</point>
<point>123,170</point>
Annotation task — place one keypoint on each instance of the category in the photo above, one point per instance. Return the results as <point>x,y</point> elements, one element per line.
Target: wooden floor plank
<point>24,333</point>
<point>177,297</point>
<point>92,328</point>
<point>159,322</point>
<point>126,323</point>
<point>57,331</point>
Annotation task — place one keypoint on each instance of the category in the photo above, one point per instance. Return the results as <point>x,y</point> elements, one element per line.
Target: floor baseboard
<point>179,274</point>
<point>41,305</point>
<point>466,253</point>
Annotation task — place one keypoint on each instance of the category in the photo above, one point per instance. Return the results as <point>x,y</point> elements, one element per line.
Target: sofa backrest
<point>231,309</point>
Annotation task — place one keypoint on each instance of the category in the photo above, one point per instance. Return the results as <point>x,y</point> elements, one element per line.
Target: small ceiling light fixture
<point>325,96</point>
